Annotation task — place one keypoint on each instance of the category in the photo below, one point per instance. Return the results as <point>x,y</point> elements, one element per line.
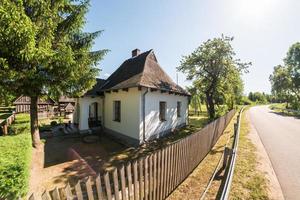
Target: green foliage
<point>44,50</point>
<point>15,159</point>
<point>216,73</point>
<point>258,97</point>
<point>285,80</point>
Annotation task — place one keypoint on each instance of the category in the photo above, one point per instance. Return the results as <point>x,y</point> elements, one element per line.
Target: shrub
<point>53,123</point>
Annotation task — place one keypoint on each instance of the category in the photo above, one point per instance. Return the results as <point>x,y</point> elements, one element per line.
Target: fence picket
<point>116,184</point>
<point>129,179</point>
<point>158,178</point>
<point>141,181</point>
<point>89,189</point>
<point>151,177</point>
<point>146,178</point>
<point>99,188</point>
<point>78,191</point>
<point>55,194</point>
<point>46,196</point>
<point>68,192</point>
<point>107,186</point>
<point>123,183</point>
<point>135,178</point>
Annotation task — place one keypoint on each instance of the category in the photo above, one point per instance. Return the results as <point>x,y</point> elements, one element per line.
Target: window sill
<point>117,121</point>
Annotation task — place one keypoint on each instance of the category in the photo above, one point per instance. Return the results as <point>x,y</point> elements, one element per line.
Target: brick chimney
<point>135,52</point>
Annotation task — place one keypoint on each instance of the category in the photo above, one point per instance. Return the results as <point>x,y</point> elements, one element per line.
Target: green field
<point>15,159</point>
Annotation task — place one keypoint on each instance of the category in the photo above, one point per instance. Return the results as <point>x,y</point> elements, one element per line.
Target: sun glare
<point>254,9</point>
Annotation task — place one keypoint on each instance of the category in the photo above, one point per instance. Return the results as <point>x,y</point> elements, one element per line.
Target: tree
<point>196,99</point>
<point>292,61</point>
<point>281,83</point>
<point>6,97</point>
<point>215,72</point>
<point>44,50</point>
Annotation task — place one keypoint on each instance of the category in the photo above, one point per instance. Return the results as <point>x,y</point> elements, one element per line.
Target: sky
<point>263,30</point>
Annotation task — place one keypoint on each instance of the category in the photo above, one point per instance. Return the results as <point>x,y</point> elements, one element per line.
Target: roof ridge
<point>146,59</point>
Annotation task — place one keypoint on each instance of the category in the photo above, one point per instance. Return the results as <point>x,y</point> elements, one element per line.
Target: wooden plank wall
<point>152,177</point>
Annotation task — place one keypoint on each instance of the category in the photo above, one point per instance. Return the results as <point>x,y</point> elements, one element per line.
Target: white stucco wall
<point>84,103</point>
<point>130,112</point>
<point>153,124</point>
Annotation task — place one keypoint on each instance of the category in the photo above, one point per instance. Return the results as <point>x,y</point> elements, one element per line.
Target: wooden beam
<point>153,89</point>
<point>115,90</point>
<point>108,91</point>
<point>125,89</point>
<point>140,88</point>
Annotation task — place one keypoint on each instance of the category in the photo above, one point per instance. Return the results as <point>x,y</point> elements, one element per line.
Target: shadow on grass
<point>285,114</point>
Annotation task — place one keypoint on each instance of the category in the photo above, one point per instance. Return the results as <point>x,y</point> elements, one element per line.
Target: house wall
<point>84,103</point>
<point>154,127</point>
<point>128,128</point>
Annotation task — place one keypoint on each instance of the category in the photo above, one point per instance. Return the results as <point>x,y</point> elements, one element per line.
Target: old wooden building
<point>23,104</point>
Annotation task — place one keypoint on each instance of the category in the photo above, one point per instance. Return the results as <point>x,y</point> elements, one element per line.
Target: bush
<point>15,159</point>
<point>53,123</point>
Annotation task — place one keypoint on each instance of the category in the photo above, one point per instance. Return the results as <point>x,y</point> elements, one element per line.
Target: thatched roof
<point>96,90</point>
<point>142,71</point>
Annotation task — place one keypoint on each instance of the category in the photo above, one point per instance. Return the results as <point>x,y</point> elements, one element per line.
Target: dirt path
<point>265,165</point>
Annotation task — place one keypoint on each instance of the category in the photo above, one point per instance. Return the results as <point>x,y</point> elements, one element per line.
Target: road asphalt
<point>280,136</point>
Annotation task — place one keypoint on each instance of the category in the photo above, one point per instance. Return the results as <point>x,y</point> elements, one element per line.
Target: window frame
<point>162,111</point>
<point>117,111</point>
<point>179,106</point>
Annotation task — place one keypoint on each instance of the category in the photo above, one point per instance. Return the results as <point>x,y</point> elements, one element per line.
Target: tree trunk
<point>210,106</point>
<point>34,124</point>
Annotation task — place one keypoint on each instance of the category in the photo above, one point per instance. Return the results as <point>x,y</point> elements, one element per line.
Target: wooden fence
<point>6,123</point>
<point>152,177</point>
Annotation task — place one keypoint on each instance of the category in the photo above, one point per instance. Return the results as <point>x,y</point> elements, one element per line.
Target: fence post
<point>4,128</point>
<point>227,153</point>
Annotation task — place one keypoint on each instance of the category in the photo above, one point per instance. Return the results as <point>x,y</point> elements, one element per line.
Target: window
<point>162,111</point>
<point>178,109</point>
<point>117,111</point>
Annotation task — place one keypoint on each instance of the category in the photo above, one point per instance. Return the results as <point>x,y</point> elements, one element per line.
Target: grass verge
<point>280,108</point>
<point>248,182</point>
<point>194,185</point>
<point>15,159</point>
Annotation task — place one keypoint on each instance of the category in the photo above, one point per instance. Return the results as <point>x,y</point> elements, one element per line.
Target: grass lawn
<point>281,109</point>
<point>15,159</point>
<point>248,182</point>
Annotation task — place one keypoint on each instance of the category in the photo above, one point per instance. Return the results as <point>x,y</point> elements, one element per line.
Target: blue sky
<point>263,31</point>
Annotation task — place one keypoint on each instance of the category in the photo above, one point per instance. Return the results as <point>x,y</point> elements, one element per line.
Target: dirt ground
<point>63,160</point>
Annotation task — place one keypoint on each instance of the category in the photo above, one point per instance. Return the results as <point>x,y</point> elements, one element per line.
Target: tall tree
<point>292,61</point>
<point>44,50</point>
<point>215,71</point>
<point>281,83</point>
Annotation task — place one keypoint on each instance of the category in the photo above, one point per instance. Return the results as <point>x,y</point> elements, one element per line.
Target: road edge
<point>264,163</point>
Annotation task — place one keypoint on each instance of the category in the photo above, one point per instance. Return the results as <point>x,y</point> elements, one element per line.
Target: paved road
<point>281,137</point>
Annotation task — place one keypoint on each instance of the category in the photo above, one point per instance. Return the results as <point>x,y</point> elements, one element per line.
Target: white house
<point>138,102</point>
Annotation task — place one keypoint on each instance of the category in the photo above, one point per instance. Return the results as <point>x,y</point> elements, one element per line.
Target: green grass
<point>15,159</point>
<point>281,109</point>
<point>248,181</point>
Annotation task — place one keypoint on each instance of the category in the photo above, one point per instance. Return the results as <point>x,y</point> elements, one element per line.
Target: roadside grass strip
<point>195,184</point>
<point>15,158</point>
<point>248,181</point>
